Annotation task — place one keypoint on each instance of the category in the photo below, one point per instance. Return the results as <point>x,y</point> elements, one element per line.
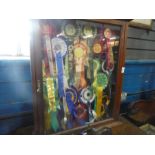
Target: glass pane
<point>79,66</point>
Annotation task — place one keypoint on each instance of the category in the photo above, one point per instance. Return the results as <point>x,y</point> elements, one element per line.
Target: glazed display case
<point>77,68</point>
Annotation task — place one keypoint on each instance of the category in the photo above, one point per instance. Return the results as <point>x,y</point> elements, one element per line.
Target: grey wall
<point>139,76</point>
<point>141,43</point>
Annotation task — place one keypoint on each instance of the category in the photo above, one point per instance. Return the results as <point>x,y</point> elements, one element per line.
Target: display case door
<point>97,42</point>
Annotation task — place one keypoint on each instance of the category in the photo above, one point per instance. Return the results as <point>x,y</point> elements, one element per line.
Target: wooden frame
<point>36,78</point>
<point>38,103</point>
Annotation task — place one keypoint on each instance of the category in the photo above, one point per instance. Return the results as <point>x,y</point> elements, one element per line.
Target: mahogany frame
<point>36,53</point>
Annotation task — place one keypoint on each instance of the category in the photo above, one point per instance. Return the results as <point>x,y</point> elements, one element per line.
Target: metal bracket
<point>38,86</point>
<point>123,70</point>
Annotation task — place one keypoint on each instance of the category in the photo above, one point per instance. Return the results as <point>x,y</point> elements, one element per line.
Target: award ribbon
<point>59,63</point>
<point>108,53</point>
<point>51,93</point>
<point>46,30</point>
<point>77,110</point>
<point>106,102</point>
<point>110,59</point>
<point>52,103</point>
<point>87,97</point>
<point>98,45</point>
<point>59,45</point>
<point>70,64</point>
<point>88,31</point>
<point>81,113</point>
<point>69,30</point>
<point>46,112</point>
<point>96,66</point>
<point>60,48</point>
<point>97,48</point>
<point>80,52</point>
<point>100,84</point>
<point>89,60</point>
<point>48,82</point>
<point>99,101</point>
<point>71,99</point>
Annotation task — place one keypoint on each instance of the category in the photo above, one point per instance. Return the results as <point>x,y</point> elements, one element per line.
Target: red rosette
<point>82,112</point>
<point>46,29</point>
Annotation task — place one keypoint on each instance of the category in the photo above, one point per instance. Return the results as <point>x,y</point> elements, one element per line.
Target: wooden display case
<point>94,43</point>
